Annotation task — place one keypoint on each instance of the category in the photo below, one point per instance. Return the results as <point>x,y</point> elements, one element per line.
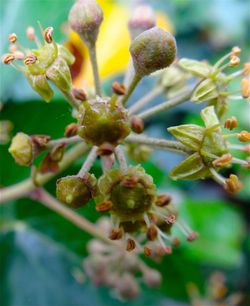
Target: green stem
<point>146,99</point>
<point>23,188</point>
<point>163,144</point>
<point>121,159</point>
<point>136,79</point>
<point>88,162</point>
<point>65,141</point>
<point>93,59</point>
<point>71,99</point>
<point>166,105</point>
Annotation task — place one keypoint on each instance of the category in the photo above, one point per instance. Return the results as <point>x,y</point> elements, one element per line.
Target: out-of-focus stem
<point>88,162</point>
<point>136,79</point>
<point>65,141</point>
<point>93,59</point>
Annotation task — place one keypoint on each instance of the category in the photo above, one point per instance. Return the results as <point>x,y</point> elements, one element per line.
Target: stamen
<point>231,123</point>
<point>217,177</point>
<point>246,69</point>
<point>236,50</point>
<point>223,161</point>
<point>240,162</point>
<point>243,136</point>
<point>171,219</point>
<point>147,221</point>
<point>245,88</point>
<point>30,59</point>
<point>19,55</point>
<point>116,234</point>
<point>234,61</point>
<point>12,48</point>
<point>30,33</point>
<point>12,38</point>
<point>8,59</point>
<point>104,206</point>
<point>130,245</point>
<point>163,200</point>
<point>245,148</point>
<point>233,184</point>
<point>47,34</point>
<point>119,89</point>
<point>152,232</point>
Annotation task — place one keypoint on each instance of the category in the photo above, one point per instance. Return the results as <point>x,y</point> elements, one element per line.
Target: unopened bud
<point>118,89</point>
<point>142,19</point>
<point>127,287</point>
<point>30,32</point>
<point>243,136</point>
<point>104,206</point>
<point>12,38</point>
<point>47,34</point>
<point>85,17</point>
<point>223,161</point>
<point>234,61</point>
<point>21,149</point>
<point>79,94</point>
<point>137,124</point>
<point>233,184</point>
<point>245,88</point>
<point>152,50</point>
<point>231,123</point>
<point>152,278</point>
<point>8,59</point>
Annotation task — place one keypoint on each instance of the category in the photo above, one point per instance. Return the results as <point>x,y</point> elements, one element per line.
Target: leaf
<point>196,68</point>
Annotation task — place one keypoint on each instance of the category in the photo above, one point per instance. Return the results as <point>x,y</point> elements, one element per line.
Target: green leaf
<point>199,69</point>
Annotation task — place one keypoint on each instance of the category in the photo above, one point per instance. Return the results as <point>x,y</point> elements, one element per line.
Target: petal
<point>196,68</point>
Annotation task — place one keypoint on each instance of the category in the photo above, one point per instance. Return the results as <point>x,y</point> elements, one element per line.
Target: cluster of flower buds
<point>103,266</point>
<point>50,61</point>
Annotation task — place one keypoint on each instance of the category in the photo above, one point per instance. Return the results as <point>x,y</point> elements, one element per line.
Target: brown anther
<point>147,251</point>
<point>233,184</point>
<point>30,33</point>
<point>152,232</point>
<point>163,200</point>
<point>105,149</point>
<point>118,88</point>
<point>160,251</point>
<point>236,50</point>
<point>137,124</point>
<point>47,34</point>
<point>116,234</point>
<point>245,88</point>
<point>30,59</point>
<point>130,245</point>
<point>129,182</point>
<point>243,136</point>
<point>168,250</point>
<point>223,161</point>
<point>8,59</point>
<point>192,236</point>
<point>12,38</point>
<point>176,241</point>
<point>40,140</point>
<point>246,69</point>
<point>246,148</point>
<point>171,219</point>
<point>234,61</point>
<point>71,130</point>
<point>104,206</point>
<point>231,123</point>
<point>79,94</point>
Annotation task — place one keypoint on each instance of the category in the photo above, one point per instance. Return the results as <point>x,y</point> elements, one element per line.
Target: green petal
<point>190,135</point>
<point>191,168</point>
<point>209,117</point>
<point>205,91</point>
<point>196,68</point>
<point>40,84</point>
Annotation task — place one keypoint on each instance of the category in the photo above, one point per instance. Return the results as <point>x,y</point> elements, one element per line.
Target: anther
<point>231,123</point>
<point>130,245</point>
<point>234,61</point>
<point>30,33</point>
<point>47,34</point>
<point>79,94</point>
<point>192,236</point>
<point>12,38</point>
<point>171,219</point>
<point>119,89</point>
<point>233,184</point>
<point>105,149</point>
<point>245,88</point>
<point>152,232</point>
<point>137,125</point>
<point>246,69</point>
<point>236,50</point>
<point>147,251</point>
<point>223,161</point>
<point>176,241</point>
<point>104,206</point>
<point>8,59</point>
<point>163,200</point>
<point>71,130</point>
<point>116,234</point>
<point>243,136</point>
<point>30,59</point>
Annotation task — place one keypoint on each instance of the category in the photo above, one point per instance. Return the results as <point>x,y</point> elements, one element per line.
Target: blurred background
<point>42,253</point>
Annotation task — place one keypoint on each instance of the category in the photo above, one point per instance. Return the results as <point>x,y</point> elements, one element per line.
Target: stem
<point>217,177</point>
<point>45,198</point>
<point>23,188</point>
<point>65,141</point>
<point>121,159</point>
<point>166,105</point>
<point>88,162</point>
<point>129,73</point>
<point>71,99</point>
<point>93,59</point>
<point>146,99</point>
<point>136,79</point>
<point>163,144</point>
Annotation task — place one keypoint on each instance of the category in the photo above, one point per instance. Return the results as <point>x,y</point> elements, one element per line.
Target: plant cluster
<point>141,218</point>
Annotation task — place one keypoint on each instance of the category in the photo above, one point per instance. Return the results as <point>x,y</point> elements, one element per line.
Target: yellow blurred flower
<point>112,45</point>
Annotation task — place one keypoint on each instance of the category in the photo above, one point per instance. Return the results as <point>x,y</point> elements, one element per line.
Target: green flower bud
<point>132,194</point>
<point>85,18</point>
<point>101,122</point>
<point>75,191</point>
<point>152,50</point>
<point>138,153</point>
<point>21,149</point>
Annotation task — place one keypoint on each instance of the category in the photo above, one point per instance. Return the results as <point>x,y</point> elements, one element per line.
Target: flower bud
<point>85,18</point>
<point>21,149</point>
<point>127,286</point>
<point>138,153</point>
<point>75,191</point>
<point>152,50</point>
<point>152,278</point>
<point>142,19</point>
<point>137,124</point>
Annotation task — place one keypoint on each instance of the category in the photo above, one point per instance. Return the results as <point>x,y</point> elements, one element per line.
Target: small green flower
<point>21,149</point>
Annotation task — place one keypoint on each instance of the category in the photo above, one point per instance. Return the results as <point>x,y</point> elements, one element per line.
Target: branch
<point>21,189</point>
<point>64,140</point>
